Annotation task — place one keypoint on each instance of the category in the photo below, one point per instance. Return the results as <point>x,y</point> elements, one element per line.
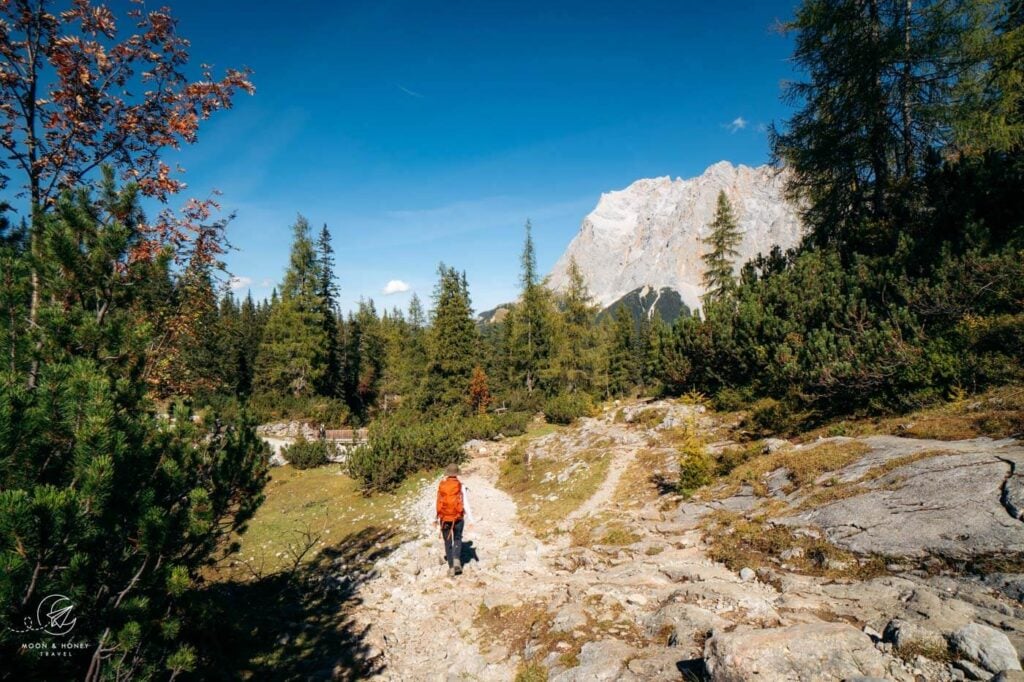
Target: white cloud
<point>738,123</point>
<point>236,283</point>
<point>411,93</point>
<point>266,282</point>
<point>395,286</point>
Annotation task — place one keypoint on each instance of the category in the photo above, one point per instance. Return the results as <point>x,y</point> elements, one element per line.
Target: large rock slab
<point>951,505</point>
<point>988,647</point>
<point>818,652</point>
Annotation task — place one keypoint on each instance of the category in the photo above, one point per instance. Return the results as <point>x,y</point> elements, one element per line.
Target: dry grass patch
<point>738,542</point>
<point>803,466</point>
<point>833,491</point>
<point>650,417</point>
<point>997,413</point>
<point>930,650</point>
<point>642,480</point>
<point>512,626</point>
<point>546,490</point>
<point>602,530</point>
<point>530,624</point>
<point>531,672</point>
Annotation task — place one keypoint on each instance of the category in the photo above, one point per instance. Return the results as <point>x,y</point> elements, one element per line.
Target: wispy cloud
<point>411,93</point>
<point>395,286</point>
<point>762,127</point>
<point>266,282</point>
<point>738,123</point>
<point>238,282</point>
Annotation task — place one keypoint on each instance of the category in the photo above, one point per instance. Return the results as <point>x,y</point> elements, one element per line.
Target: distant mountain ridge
<point>649,236</point>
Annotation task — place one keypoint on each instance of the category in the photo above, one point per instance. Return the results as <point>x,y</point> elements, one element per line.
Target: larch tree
<point>885,83</point>
<point>577,346</point>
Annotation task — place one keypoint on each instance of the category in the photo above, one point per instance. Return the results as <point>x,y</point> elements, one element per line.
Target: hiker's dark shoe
<point>457,567</point>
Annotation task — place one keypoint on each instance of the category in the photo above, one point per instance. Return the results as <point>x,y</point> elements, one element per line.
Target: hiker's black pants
<point>452,532</point>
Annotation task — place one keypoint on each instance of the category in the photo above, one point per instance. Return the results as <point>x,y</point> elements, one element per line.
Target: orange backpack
<point>449,500</point>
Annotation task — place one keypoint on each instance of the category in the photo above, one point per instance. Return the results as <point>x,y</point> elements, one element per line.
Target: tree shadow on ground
<point>664,485</point>
<point>295,624</point>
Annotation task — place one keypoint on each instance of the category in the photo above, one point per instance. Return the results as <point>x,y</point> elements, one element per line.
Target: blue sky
<point>430,131</point>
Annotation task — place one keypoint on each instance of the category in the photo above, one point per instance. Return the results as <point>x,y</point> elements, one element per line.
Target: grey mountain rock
<point>649,235</point>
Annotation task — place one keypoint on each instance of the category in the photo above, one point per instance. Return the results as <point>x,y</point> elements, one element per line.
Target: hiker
<point>452,512</point>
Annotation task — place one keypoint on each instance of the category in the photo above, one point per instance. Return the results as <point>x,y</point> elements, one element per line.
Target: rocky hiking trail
<point>652,604</point>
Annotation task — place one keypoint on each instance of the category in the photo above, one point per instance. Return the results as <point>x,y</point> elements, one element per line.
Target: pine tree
<point>452,343</point>
<point>622,353</point>
<point>371,350</point>
<point>327,290</point>
<point>414,357</point>
<point>251,320</point>
<point>102,501</point>
<point>530,322</point>
<point>291,357</point>
<point>577,346</point>
<point>719,261</point>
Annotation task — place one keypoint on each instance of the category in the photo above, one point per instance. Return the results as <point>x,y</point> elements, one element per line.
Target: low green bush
<point>731,399</point>
<point>489,426</point>
<point>568,407</point>
<point>768,416</point>
<point>331,412</point>
<point>395,451</point>
<point>307,454</point>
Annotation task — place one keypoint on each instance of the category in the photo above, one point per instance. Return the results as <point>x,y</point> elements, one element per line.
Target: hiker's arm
<point>466,508</point>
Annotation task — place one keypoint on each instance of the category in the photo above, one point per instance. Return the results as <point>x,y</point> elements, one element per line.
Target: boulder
<point>1009,676</point>
<point>568,618</point>
<point>681,623</point>
<point>656,665</point>
<point>601,661</point>
<point>904,634</point>
<point>805,652</point>
<point>987,647</point>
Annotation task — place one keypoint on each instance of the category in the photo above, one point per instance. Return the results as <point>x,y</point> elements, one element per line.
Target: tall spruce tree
<point>327,290</point>
<point>250,330</point>
<point>720,260</point>
<point>622,351</point>
<point>452,344</point>
<point>530,322</point>
<point>291,359</point>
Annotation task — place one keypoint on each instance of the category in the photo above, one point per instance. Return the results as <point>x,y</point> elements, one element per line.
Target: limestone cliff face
<point>651,233</point>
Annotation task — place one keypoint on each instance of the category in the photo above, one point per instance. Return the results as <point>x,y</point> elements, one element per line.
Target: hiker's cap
<point>452,470</point>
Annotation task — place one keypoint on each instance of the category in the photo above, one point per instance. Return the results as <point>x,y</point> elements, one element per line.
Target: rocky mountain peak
<point>650,233</point>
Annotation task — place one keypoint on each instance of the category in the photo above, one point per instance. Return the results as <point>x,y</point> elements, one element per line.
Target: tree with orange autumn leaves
<point>77,92</point>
